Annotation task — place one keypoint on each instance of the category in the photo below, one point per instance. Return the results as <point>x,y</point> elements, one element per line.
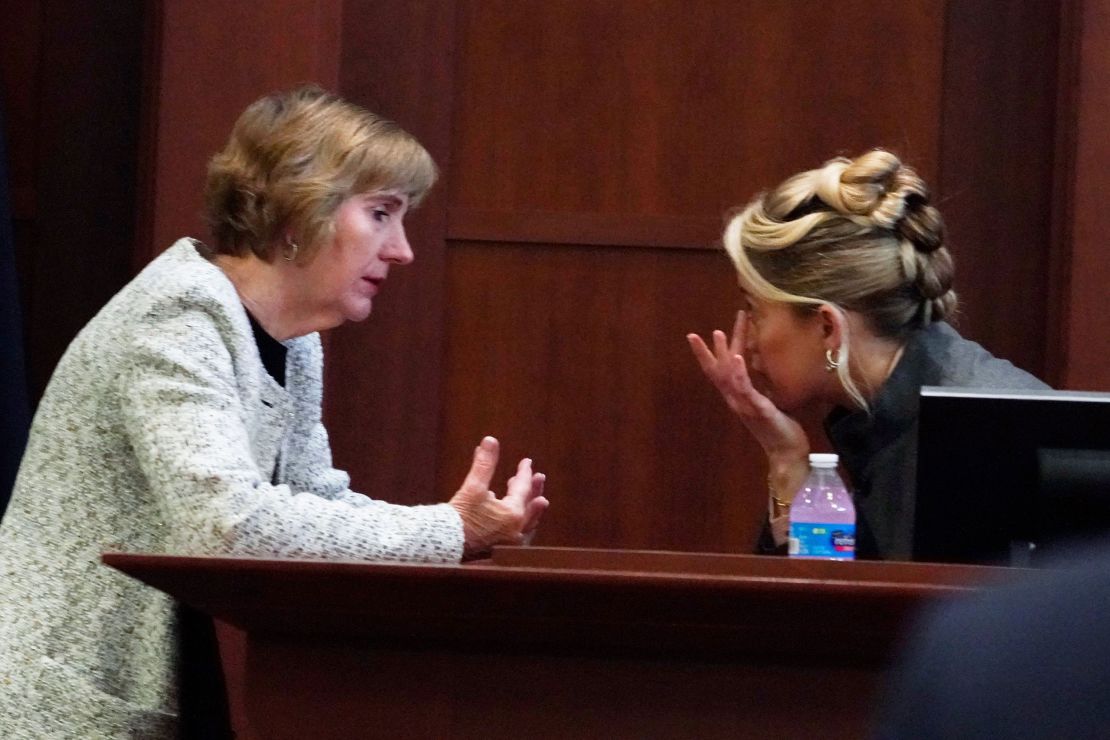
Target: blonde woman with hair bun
<point>847,291</point>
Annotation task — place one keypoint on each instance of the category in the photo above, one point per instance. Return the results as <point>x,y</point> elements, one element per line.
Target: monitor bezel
<point>991,514</point>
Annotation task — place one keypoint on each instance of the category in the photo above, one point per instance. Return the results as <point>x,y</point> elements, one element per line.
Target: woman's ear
<point>834,326</point>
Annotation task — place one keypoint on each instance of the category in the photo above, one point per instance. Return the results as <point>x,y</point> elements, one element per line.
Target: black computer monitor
<point>1010,477</point>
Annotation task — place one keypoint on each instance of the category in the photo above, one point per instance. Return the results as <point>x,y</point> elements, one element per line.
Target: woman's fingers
<point>489,520</point>
<point>715,363</point>
<point>739,333</point>
<point>720,345</point>
<point>538,481</point>
<point>701,352</point>
<point>532,514</point>
<point>535,507</point>
<point>519,488</point>
<point>524,493</point>
<point>726,367</point>
<point>481,469</point>
<point>756,403</point>
<point>525,487</point>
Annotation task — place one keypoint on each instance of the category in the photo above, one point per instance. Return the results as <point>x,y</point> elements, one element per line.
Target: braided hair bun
<point>892,195</point>
<point>859,234</point>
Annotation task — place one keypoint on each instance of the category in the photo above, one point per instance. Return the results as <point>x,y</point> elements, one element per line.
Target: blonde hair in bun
<point>857,234</point>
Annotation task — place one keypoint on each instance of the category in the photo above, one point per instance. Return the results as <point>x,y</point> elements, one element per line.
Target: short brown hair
<point>290,162</point>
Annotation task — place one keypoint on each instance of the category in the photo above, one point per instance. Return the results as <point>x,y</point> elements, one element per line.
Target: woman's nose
<point>399,250</point>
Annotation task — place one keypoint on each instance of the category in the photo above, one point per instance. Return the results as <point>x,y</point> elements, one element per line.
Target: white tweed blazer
<point>161,431</point>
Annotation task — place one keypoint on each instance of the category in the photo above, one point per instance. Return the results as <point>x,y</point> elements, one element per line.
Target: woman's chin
<point>359,311</point>
<point>785,402</point>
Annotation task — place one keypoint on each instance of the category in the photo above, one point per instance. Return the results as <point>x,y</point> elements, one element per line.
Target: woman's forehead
<point>389,196</point>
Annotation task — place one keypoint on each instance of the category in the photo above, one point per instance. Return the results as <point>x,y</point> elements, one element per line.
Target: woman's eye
<point>381,214</point>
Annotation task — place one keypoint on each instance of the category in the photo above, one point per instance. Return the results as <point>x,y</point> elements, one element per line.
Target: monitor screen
<point>1010,477</point>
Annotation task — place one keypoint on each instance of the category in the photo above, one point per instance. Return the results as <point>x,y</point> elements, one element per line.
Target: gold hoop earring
<point>287,255</point>
<point>831,362</point>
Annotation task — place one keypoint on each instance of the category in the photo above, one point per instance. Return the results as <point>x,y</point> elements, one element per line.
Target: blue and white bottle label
<point>810,540</point>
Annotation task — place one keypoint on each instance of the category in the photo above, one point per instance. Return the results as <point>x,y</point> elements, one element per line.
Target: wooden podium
<point>561,643</point>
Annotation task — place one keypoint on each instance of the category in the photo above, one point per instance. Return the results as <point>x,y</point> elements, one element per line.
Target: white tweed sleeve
<point>184,415</point>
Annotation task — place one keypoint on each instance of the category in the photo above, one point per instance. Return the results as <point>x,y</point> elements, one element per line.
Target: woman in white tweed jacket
<point>185,418</point>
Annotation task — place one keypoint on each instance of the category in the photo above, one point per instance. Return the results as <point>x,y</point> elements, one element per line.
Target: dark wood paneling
<point>997,159</point>
<point>1058,311</point>
<point>20,37</point>
<point>601,229</point>
<point>148,176</point>
<point>213,59</point>
<point>641,124</point>
<point>616,125</point>
<point>85,165</point>
<point>577,357</point>
<point>665,108</point>
<point>382,402</point>
<point>1088,324</point>
<point>587,644</point>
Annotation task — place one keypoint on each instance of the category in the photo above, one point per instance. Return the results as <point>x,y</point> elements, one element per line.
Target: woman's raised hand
<point>488,520</point>
<point>782,438</point>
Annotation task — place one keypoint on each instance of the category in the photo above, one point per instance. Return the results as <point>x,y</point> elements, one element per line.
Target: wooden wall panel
<point>20,39</point>
<point>672,109</point>
<point>996,183</point>
<point>73,148</point>
<point>630,126</point>
<point>383,375</point>
<point>211,58</point>
<point>577,356</point>
<point>1088,272</point>
<point>624,125</point>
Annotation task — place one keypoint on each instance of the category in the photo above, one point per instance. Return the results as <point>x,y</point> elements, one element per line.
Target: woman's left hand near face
<point>489,520</point>
<point>779,434</point>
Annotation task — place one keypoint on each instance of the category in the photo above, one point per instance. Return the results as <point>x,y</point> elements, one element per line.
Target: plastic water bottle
<point>822,516</point>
